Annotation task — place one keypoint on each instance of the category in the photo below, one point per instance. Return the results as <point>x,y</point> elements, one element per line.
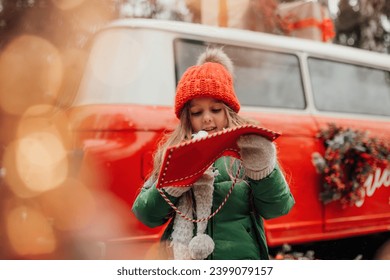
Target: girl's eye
<point>196,113</point>
<point>216,110</point>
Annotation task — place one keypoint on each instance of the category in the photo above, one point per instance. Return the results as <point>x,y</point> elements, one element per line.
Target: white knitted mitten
<point>206,179</point>
<point>258,155</point>
<point>176,191</point>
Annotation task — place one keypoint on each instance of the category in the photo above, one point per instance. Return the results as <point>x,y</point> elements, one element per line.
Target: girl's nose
<point>207,117</point>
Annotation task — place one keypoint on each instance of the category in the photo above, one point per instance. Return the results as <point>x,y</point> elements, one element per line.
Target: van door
<point>358,98</point>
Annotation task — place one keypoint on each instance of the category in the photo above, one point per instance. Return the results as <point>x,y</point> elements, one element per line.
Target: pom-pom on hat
<point>211,77</point>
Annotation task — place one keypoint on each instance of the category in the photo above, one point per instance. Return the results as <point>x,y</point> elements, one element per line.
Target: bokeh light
<point>91,15</point>
<point>74,61</point>
<point>29,231</point>
<point>45,118</point>
<point>37,160</point>
<point>12,176</point>
<point>67,4</point>
<point>71,205</point>
<point>41,161</point>
<point>30,73</point>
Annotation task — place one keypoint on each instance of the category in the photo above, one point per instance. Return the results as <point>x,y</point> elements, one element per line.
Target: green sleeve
<point>272,196</point>
<point>150,207</point>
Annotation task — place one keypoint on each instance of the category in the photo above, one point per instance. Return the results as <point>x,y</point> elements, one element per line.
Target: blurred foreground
<point>49,208</point>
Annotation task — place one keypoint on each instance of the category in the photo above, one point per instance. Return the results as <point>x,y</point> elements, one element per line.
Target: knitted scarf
<point>185,245</point>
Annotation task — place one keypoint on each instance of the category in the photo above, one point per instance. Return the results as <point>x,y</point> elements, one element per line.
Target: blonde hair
<point>184,132</point>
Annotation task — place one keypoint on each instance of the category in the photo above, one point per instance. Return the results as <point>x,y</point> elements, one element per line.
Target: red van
<point>293,86</point>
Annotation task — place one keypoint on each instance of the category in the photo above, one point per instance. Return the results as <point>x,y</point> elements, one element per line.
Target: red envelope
<point>184,163</point>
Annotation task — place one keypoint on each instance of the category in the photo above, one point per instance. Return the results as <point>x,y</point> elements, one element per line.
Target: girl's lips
<point>210,129</point>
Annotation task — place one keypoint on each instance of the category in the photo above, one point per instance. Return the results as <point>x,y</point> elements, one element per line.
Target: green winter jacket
<point>237,230</point>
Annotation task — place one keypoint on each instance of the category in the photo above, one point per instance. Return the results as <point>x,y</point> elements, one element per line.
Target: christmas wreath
<point>350,157</point>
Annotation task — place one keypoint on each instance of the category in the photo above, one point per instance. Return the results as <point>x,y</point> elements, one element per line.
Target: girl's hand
<point>258,155</point>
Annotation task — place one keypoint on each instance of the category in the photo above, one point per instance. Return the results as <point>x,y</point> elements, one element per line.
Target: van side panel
<point>374,213</point>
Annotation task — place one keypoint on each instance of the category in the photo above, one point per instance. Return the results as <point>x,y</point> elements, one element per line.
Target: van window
<point>261,78</point>
<point>125,68</point>
<point>348,88</point>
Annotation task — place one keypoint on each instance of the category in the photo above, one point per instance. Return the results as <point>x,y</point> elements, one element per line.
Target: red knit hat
<point>211,77</point>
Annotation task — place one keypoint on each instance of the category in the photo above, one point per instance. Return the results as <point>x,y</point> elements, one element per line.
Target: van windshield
<point>261,78</point>
<point>126,67</point>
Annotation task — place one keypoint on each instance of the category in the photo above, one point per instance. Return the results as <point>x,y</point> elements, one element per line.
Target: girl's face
<point>207,114</point>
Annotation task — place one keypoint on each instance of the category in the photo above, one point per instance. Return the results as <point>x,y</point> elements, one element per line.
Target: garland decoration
<point>350,157</point>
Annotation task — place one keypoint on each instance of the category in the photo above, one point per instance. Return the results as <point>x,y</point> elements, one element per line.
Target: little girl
<point>205,103</point>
